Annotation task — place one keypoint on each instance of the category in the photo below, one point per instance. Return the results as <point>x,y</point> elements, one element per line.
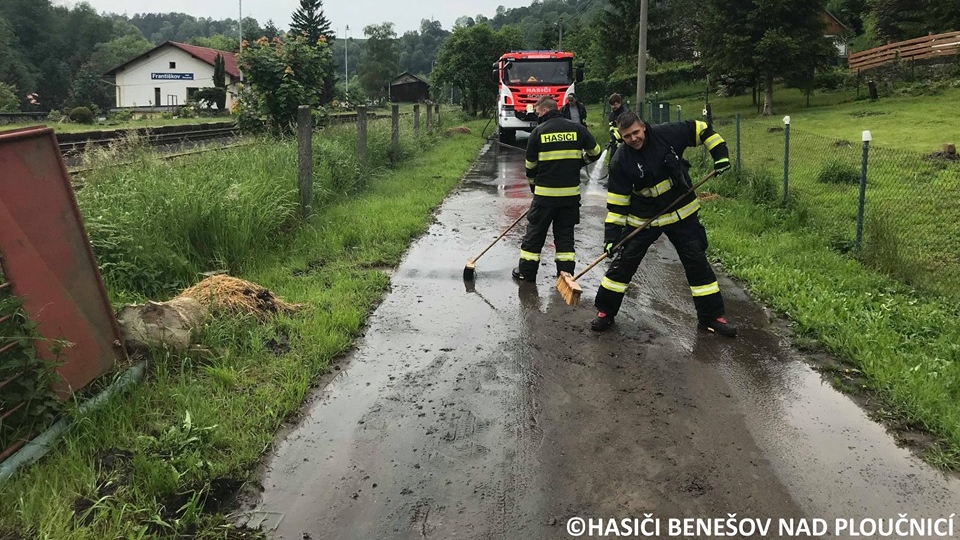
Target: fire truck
<point>523,77</point>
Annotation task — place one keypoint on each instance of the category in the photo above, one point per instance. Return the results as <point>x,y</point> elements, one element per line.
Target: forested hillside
<point>53,57</point>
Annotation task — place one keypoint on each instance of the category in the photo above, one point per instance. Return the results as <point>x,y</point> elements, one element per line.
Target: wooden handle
<point>505,231</point>
<point>636,231</point>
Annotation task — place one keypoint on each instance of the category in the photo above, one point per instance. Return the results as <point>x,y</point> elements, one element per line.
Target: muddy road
<point>491,411</point>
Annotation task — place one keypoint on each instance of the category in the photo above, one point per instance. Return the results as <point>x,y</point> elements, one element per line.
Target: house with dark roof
<point>836,32</point>
<point>170,75</point>
<point>408,88</point>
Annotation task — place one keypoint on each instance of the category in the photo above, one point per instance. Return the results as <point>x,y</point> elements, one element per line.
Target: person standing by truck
<point>574,111</point>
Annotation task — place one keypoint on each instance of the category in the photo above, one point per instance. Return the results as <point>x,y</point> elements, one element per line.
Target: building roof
<point>204,54</point>
<point>406,78</point>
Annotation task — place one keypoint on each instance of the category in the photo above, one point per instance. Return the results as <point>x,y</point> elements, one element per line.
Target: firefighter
<point>616,109</point>
<point>556,150</point>
<point>647,174</point>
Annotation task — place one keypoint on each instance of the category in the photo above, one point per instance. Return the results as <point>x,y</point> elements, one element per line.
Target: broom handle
<point>636,231</point>
<point>505,231</point>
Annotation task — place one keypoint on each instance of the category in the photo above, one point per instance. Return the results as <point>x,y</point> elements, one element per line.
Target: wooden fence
<point>922,48</point>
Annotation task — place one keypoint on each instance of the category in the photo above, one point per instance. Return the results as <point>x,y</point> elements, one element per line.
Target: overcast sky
<point>405,15</point>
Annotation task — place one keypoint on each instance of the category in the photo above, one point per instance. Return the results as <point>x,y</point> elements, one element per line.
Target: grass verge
<point>158,461</point>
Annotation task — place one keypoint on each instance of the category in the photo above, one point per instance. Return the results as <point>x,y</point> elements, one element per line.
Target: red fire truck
<point>524,76</point>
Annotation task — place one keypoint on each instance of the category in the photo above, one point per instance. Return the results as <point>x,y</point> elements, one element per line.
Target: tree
<point>219,42</point>
<point>764,39</point>
<point>282,75</point>
<point>220,82</point>
<point>310,22</point>
<point>380,61</point>
<point>9,102</point>
<point>464,62</point>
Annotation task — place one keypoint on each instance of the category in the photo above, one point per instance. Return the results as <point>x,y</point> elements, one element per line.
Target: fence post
<point>786,158</point>
<point>436,114</point>
<point>863,188</point>
<point>416,120</point>
<point>362,135</point>
<point>679,117</point>
<point>305,158</point>
<point>429,118</point>
<point>395,134</point>
<point>738,141</point>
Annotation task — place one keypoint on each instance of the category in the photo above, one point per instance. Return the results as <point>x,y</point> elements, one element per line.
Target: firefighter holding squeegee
<point>647,175</point>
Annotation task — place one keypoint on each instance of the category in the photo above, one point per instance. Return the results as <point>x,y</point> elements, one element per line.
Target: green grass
<point>140,467</point>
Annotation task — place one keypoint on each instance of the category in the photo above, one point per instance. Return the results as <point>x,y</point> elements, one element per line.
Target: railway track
<point>72,145</point>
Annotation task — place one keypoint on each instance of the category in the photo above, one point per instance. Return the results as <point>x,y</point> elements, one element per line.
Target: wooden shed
<point>408,88</point>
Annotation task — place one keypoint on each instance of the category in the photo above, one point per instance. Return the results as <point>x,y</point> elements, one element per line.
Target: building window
<point>173,65</point>
<point>192,94</point>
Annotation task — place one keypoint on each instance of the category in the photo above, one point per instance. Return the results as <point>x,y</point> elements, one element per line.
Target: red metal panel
<point>46,255</point>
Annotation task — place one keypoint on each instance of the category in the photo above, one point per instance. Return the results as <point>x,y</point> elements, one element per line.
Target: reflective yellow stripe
<point>701,126</point>
<point>595,151</point>
<point>566,256</point>
<point>530,164</point>
<point>616,219</point>
<point>713,141</point>
<point>556,191</point>
<point>529,256</point>
<point>555,155</point>
<point>704,290</point>
<point>614,286</point>
<point>656,190</point>
<point>618,199</point>
<point>666,219</point>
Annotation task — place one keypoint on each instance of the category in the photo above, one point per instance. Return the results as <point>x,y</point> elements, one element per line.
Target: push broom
<point>567,284</point>
<point>470,269</point>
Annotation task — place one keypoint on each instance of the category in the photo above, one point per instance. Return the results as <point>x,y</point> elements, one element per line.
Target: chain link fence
<point>896,211</point>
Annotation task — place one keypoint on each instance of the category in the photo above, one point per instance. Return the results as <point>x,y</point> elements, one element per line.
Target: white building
<point>171,75</point>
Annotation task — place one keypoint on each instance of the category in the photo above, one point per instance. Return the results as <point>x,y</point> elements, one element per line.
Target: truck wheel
<point>508,136</point>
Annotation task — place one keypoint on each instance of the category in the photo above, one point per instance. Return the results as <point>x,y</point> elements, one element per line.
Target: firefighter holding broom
<point>556,151</point>
<point>647,175</point>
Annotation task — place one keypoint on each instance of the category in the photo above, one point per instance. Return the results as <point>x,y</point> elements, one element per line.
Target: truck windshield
<point>548,72</point>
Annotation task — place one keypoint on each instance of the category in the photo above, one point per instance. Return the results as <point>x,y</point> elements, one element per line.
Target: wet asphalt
<point>489,410</point>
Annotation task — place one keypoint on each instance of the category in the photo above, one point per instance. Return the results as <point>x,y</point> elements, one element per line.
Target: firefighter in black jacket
<point>616,109</point>
<point>647,174</point>
<point>556,151</point>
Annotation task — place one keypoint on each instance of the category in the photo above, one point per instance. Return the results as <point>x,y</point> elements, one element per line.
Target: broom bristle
<point>468,270</point>
<point>569,289</point>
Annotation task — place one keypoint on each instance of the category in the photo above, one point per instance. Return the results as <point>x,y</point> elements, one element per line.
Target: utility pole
<point>642,59</point>
<point>560,24</point>
<point>240,4</point>
<point>346,70</point>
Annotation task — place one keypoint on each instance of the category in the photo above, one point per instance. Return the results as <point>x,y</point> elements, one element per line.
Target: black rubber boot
<point>601,322</point>
<point>719,326</point>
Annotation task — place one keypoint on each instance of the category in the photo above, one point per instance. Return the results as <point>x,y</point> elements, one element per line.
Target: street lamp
<point>346,70</point>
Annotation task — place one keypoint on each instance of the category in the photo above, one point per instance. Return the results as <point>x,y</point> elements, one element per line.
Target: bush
<point>838,172</point>
<point>54,116</point>
<point>123,115</point>
<point>81,115</point>
<point>592,91</point>
<point>834,79</point>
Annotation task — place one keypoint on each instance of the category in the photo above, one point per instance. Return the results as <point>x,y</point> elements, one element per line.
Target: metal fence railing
<point>893,209</point>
